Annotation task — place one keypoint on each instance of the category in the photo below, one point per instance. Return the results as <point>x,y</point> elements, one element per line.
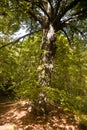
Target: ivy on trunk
<point>46,64</point>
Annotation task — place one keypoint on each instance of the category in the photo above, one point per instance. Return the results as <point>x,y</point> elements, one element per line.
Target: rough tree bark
<point>47,56</point>
<point>46,66</point>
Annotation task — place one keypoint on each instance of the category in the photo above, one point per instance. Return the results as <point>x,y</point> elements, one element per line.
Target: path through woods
<point>15,116</point>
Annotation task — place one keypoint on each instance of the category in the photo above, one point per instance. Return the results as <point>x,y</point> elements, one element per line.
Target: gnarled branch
<point>17,40</point>
<point>67,36</point>
<point>66,9</point>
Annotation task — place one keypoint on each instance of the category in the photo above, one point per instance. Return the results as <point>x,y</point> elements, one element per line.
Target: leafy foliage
<point>68,81</point>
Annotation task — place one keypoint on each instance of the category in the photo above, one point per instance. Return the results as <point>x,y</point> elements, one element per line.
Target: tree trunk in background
<point>46,64</point>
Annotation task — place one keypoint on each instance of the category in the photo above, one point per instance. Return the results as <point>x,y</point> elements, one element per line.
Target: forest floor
<point>15,116</point>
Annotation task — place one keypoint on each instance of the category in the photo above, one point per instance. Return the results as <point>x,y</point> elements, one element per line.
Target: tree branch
<point>57,5</point>
<point>80,32</point>
<point>31,10</point>
<point>17,40</point>
<point>67,36</point>
<point>36,17</point>
<point>52,9</point>
<point>67,8</point>
<point>76,15</point>
<point>41,6</point>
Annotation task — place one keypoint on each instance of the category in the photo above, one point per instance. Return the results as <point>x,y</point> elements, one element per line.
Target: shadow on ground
<point>15,116</point>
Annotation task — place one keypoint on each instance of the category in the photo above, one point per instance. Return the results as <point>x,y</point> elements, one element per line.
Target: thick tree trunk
<point>46,65</point>
<point>47,56</point>
<point>45,68</point>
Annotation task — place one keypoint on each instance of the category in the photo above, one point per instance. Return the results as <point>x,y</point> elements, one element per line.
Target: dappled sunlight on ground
<point>15,116</point>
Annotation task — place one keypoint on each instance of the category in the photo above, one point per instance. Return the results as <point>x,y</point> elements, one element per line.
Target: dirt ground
<point>15,116</point>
